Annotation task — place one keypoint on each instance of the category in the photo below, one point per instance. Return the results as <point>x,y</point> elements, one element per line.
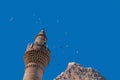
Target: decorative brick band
<point>34,65</point>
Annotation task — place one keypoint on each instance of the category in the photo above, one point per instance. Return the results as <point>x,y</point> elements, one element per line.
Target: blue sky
<point>84,31</point>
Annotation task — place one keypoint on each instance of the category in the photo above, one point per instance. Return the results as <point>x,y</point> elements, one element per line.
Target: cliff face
<point>75,71</point>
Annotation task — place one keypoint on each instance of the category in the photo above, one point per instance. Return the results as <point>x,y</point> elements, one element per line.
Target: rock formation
<point>75,71</point>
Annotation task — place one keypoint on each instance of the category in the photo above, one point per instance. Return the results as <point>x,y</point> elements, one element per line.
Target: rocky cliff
<point>75,71</point>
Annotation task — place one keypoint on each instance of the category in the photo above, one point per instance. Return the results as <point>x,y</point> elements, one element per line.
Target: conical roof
<point>42,33</point>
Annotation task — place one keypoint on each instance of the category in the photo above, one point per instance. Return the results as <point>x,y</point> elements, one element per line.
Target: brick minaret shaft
<point>36,58</point>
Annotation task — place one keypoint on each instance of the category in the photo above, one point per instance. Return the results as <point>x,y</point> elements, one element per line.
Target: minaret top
<point>38,48</point>
<point>42,32</point>
<point>41,38</point>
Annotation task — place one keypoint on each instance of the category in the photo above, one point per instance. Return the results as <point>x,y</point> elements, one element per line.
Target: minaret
<point>36,58</point>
